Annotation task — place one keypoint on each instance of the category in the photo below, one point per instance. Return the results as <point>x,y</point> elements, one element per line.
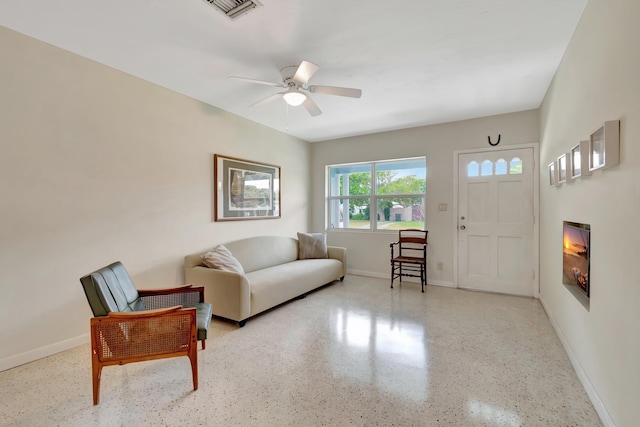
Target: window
<point>487,167</point>
<point>386,195</point>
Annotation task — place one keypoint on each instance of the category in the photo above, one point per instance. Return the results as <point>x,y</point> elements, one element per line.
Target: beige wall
<point>598,81</point>
<point>369,252</point>
<point>98,166</point>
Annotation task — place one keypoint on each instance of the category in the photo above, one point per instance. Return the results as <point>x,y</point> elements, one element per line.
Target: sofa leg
<point>342,278</point>
<point>303,296</point>
<point>242,323</point>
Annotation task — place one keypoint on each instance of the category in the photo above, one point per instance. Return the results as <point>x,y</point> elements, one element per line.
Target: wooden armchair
<point>411,255</point>
<point>133,326</point>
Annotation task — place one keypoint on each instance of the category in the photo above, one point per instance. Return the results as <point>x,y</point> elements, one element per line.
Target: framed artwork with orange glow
<point>576,262</point>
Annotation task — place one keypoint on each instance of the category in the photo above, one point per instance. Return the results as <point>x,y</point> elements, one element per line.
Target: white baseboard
<point>387,276</point>
<point>597,403</point>
<point>441,283</point>
<point>368,274</point>
<point>39,353</point>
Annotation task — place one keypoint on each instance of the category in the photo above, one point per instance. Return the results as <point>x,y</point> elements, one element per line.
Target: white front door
<point>495,221</point>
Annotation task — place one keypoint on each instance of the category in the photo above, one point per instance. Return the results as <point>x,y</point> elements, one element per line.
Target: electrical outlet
<point>439,266</point>
<point>442,207</point>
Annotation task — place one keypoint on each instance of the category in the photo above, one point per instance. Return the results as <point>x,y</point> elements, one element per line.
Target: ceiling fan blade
<point>311,107</point>
<point>334,90</point>
<point>267,99</point>
<point>304,72</point>
<point>260,82</point>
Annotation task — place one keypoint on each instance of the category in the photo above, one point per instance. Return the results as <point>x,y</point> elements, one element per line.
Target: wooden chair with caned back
<point>134,326</point>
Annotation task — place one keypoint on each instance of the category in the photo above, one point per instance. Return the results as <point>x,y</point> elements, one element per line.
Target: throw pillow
<point>312,245</point>
<point>221,258</point>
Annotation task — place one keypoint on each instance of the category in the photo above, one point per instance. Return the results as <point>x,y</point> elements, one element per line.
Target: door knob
<point>462,227</point>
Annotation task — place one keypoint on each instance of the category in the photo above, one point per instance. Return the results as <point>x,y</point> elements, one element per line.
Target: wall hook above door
<point>493,144</point>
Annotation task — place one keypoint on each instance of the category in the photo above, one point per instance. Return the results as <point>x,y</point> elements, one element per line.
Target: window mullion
<point>373,201</point>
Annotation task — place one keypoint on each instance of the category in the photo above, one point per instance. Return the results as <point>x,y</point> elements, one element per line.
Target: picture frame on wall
<point>576,162</point>
<point>245,189</point>
<point>596,149</point>
<point>552,174</point>
<point>580,160</point>
<point>604,146</point>
<point>562,169</point>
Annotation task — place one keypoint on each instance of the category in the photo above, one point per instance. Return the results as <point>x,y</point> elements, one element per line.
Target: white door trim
<point>536,209</point>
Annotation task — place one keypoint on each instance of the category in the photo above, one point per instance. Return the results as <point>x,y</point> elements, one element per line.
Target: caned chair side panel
<point>125,340</point>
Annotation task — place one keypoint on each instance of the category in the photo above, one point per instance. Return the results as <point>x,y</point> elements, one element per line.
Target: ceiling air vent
<point>234,8</point>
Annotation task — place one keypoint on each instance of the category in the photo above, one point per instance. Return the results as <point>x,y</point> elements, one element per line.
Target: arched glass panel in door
<point>487,168</point>
<point>515,166</point>
<point>501,167</point>
<point>473,169</point>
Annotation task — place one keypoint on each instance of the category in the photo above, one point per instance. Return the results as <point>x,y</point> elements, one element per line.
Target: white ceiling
<point>418,62</point>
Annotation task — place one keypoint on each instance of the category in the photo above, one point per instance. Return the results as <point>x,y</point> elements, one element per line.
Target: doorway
<point>496,231</point>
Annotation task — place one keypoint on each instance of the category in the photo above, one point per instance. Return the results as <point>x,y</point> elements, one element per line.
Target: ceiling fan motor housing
<point>287,74</point>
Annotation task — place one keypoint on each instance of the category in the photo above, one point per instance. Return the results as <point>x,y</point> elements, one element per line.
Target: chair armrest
<point>182,288</point>
<point>145,313</point>
<point>186,295</point>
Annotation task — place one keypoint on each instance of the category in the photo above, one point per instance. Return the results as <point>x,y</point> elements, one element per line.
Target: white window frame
<point>373,197</point>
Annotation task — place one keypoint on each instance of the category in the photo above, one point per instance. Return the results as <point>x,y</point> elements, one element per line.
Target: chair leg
<point>193,358</point>
<point>423,277</point>
<point>425,274</point>
<point>392,270</point>
<point>204,345</point>
<point>96,368</point>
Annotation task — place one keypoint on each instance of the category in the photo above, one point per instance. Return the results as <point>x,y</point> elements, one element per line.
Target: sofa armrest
<point>228,292</point>
<point>336,252</point>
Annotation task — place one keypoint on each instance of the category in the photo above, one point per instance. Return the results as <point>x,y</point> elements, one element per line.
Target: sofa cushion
<point>256,253</point>
<point>312,245</point>
<point>220,258</point>
<point>275,285</point>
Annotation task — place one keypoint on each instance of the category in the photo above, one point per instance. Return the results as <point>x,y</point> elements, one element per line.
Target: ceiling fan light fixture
<point>293,97</point>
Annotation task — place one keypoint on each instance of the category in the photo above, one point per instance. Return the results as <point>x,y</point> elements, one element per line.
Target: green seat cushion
<point>203,318</point>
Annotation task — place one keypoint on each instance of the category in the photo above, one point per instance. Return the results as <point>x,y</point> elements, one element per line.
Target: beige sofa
<point>273,274</point>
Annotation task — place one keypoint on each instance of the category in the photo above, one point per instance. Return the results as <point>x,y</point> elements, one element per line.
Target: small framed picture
<point>596,156</point>
<point>604,146</point>
<point>552,174</point>
<point>579,165</point>
<point>562,169</point>
<point>576,162</point>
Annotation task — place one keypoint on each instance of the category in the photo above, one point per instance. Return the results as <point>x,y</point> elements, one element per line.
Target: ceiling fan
<point>295,80</point>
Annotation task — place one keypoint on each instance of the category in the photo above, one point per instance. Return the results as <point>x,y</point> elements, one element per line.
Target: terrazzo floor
<point>354,353</point>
